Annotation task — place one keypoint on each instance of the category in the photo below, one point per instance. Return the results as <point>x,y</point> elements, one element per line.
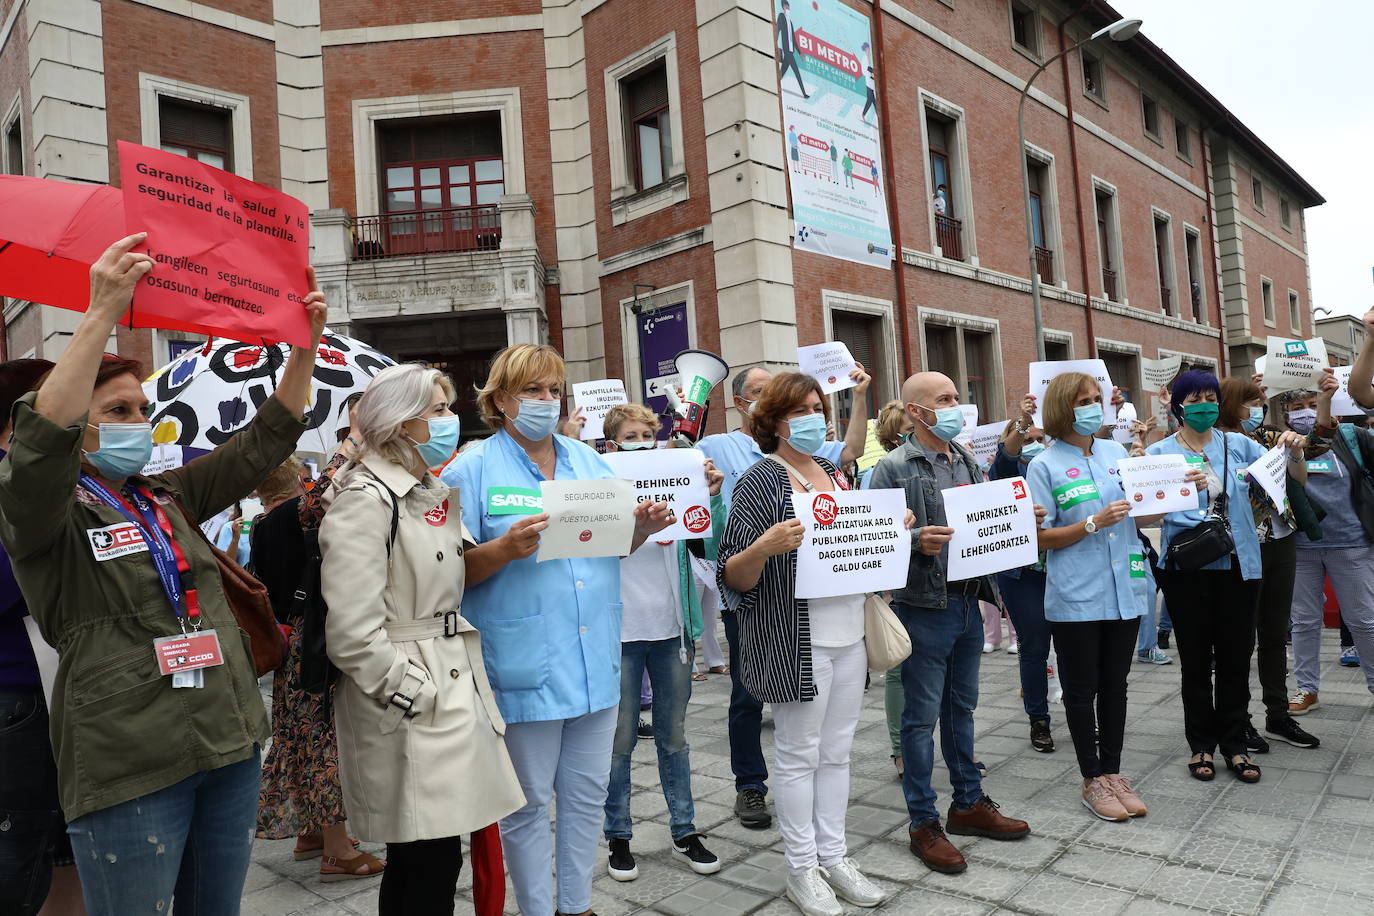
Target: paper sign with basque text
<point>596,400</point>
<point>587,518</point>
<point>855,541</point>
<point>1155,484</point>
<point>1271,473</point>
<point>970,412</point>
<point>676,476</point>
<point>1121,429</point>
<point>1290,364</point>
<point>983,439</point>
<point>827,363</point>
<point>994,528</point>
<point>1156,373</point>
<point>231,254</point>
<point>1342,404</point>
<point>1042,372</point>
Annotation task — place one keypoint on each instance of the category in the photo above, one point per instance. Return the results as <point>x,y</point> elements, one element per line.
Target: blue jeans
<point>746,720</point>
<point>1024,596</point>
<point>189,842</point>
<point>570,758</point>
<point>940,680</point>
<point>672,683</point>
<point>1148,637</point>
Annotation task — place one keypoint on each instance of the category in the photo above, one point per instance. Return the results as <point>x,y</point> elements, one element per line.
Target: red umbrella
<point>51,232</point>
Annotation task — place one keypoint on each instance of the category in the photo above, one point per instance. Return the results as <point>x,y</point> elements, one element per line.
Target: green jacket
<point>687,586</point>
<point>119,730</point>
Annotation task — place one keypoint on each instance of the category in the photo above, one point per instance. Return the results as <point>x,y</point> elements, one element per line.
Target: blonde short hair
<point>888,428</point>
<point>395,395</point>
<point>1056,407</point>
<point>513,369</point>
<point>282,482</point>
<point>621,414</point>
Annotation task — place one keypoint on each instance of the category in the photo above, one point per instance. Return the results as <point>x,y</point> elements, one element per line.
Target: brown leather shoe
<point>931,846</point>
<point>983,819</point>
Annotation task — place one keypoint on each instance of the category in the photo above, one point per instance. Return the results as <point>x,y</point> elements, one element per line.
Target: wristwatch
<point>1090,526</point>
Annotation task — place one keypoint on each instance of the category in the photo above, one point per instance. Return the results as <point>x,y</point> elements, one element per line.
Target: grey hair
<point>742,378</point>
<point>395,395</point>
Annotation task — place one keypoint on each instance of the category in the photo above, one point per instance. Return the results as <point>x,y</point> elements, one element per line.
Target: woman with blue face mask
<point>1097,585</point>
<point>1023,590</point>
<point>414,709</point>
<point>157,722</point>
<point>1214,608</point>
<point>1245,410</point>
<point>550,631</point>
<point>806,657</point>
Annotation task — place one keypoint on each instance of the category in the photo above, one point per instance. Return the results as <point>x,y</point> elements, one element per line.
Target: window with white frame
<point>644,131</point>
<point>1025,28</point>
<point>1149,114</point>
<point>951,201</point>
<point>1257,192</point>
<point>1285,213</point>
<point>1192,249</point>
<point>966,350</point>
<point>1094,77</point>
<point>1182,139</point>
<point>648,131</point>
<point>1109,242</point>
<point>201,132</point>
<point>1164,263</point>
<point>14,146</point>
<point>1294,314</point>
<point>1267,300</point>
<point>866,326</point>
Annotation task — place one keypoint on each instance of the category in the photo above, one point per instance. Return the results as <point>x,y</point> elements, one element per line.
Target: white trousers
<point>710,642</point>
<point>811,744</point>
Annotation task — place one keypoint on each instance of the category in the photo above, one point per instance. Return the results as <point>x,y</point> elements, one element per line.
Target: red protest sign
<point>231,254</point>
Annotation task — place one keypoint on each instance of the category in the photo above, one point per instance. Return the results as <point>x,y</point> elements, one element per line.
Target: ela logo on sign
<point>116,541</point>
<point>1295,348</point>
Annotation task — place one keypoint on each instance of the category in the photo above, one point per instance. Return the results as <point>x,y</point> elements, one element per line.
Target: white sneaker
<point>988,647</point>
<point>850,884</point>
<point>1014,648</point>
<point>812,895</point>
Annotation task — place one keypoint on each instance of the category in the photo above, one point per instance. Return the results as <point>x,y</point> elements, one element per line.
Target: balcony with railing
<point>949,233</point>
<point>1044,265</point>
<point>418,232</point>
<point>1109,283</point>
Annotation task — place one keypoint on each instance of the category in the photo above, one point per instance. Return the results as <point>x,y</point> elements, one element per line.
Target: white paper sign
<point>1290,364</point>
<point>45,655</point>
<point>1271,473</point>
<point>1042,372</point>
<point>587,518</point>
<point>1154,484</point>
<point>994,528</point>
<point>855,541</point>
<point>1342,404</point>
<point>596,400</point>
<point>829,364</point>
<point>982,441</point>
<point>1125,416</point>
<point>676,476</point>
<point>1159,372</point>
<point>970,412</point>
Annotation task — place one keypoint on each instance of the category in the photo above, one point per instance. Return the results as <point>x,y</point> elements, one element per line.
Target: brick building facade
<point>594,172</point>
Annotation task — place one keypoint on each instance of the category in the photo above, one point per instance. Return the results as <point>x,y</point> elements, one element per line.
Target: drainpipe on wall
<point>1224,364</point>
<point>1077,191</point>
<point>893,211</point>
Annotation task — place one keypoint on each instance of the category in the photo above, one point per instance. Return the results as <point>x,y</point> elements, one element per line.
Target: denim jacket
<point>907,468</point>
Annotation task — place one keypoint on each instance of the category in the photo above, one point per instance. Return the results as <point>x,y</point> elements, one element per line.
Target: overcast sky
<point>1301,76</point>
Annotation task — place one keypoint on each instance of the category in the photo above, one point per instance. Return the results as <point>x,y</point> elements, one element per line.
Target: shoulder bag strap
<point>805,484</point>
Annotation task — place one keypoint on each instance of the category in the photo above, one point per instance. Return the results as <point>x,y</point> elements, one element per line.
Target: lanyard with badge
<point>184,657</point>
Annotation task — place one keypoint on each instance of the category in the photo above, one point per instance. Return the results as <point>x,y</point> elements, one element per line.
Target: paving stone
<point>1054,896</point>
<point>1323,868</point>
<point>1110,867</point>
<point>925,902</point>
<point>1195,887</point>
<point>710,898</point>
<point>1234,855</point>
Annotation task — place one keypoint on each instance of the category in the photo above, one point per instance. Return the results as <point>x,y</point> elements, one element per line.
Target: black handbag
<point>1210,539</point>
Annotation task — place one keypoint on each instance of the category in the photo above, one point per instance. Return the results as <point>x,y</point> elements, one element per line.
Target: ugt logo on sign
<point>825,509</point>
<point>1295,348</point>
<point>697,519</point>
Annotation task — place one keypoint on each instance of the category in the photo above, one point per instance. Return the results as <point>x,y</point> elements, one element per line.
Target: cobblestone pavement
<point>1298,842</point>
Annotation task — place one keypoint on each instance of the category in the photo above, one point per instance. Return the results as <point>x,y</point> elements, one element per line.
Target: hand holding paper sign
<point>831,365</point>
<point>113,278</point>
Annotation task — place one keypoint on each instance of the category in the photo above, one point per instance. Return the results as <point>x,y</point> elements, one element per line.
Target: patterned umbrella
<point>204,396</point>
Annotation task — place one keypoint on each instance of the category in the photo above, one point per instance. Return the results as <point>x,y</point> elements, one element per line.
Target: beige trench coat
<point>443,769</point>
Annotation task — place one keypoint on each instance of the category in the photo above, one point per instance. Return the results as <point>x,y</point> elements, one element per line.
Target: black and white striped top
<point>774,625</point>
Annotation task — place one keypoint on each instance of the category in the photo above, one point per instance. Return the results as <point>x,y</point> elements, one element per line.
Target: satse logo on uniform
<point>116,541</point>
<point>1071,494</point>
<point>514,501</point>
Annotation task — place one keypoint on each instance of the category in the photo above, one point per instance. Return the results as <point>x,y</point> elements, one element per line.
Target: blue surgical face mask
<point>636,446</point>
<point>537,418</point>
<point>949,421</point>
<point>1087,419</point>
<point>124,449</point>
<point>443,441</point>
<point>807,433</point>
<point>1252,422</point>
<point>1031,449</point>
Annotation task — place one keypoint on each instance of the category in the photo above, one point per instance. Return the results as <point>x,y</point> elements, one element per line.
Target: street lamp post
<point>1121,30</point>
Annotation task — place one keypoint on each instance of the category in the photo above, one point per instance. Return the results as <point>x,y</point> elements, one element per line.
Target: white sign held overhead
<point>983,439</point>
<point>587,518</point>
<point>829,364</point>
<point>1121,429</point>
<point>1155,484</point>
<point>596,400</point>
<point>1042,372</point>
<point>855,541</point>
<point>1290,364</point>
<point>1271,473</point>
<point>1342,404</point>
<point>994,528</point>
<point>1157,373</point>
<point>676,476</point>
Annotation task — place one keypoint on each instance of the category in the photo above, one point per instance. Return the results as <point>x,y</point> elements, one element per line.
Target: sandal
<point>719,669</point>
<point>1202,768</point>
<point>1244,768</point>
<point>898,763</point>
<point>305,853</point>
<point>698,676</point>
<point>360,866</point>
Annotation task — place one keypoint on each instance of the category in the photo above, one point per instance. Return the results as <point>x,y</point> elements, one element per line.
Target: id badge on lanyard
<point>184,657</point>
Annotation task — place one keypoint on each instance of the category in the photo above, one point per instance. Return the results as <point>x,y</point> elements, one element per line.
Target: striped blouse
<point>774,625</point>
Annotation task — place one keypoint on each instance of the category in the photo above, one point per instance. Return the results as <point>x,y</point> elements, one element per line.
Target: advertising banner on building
<point>663,334</point>
<point>830,127</point>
